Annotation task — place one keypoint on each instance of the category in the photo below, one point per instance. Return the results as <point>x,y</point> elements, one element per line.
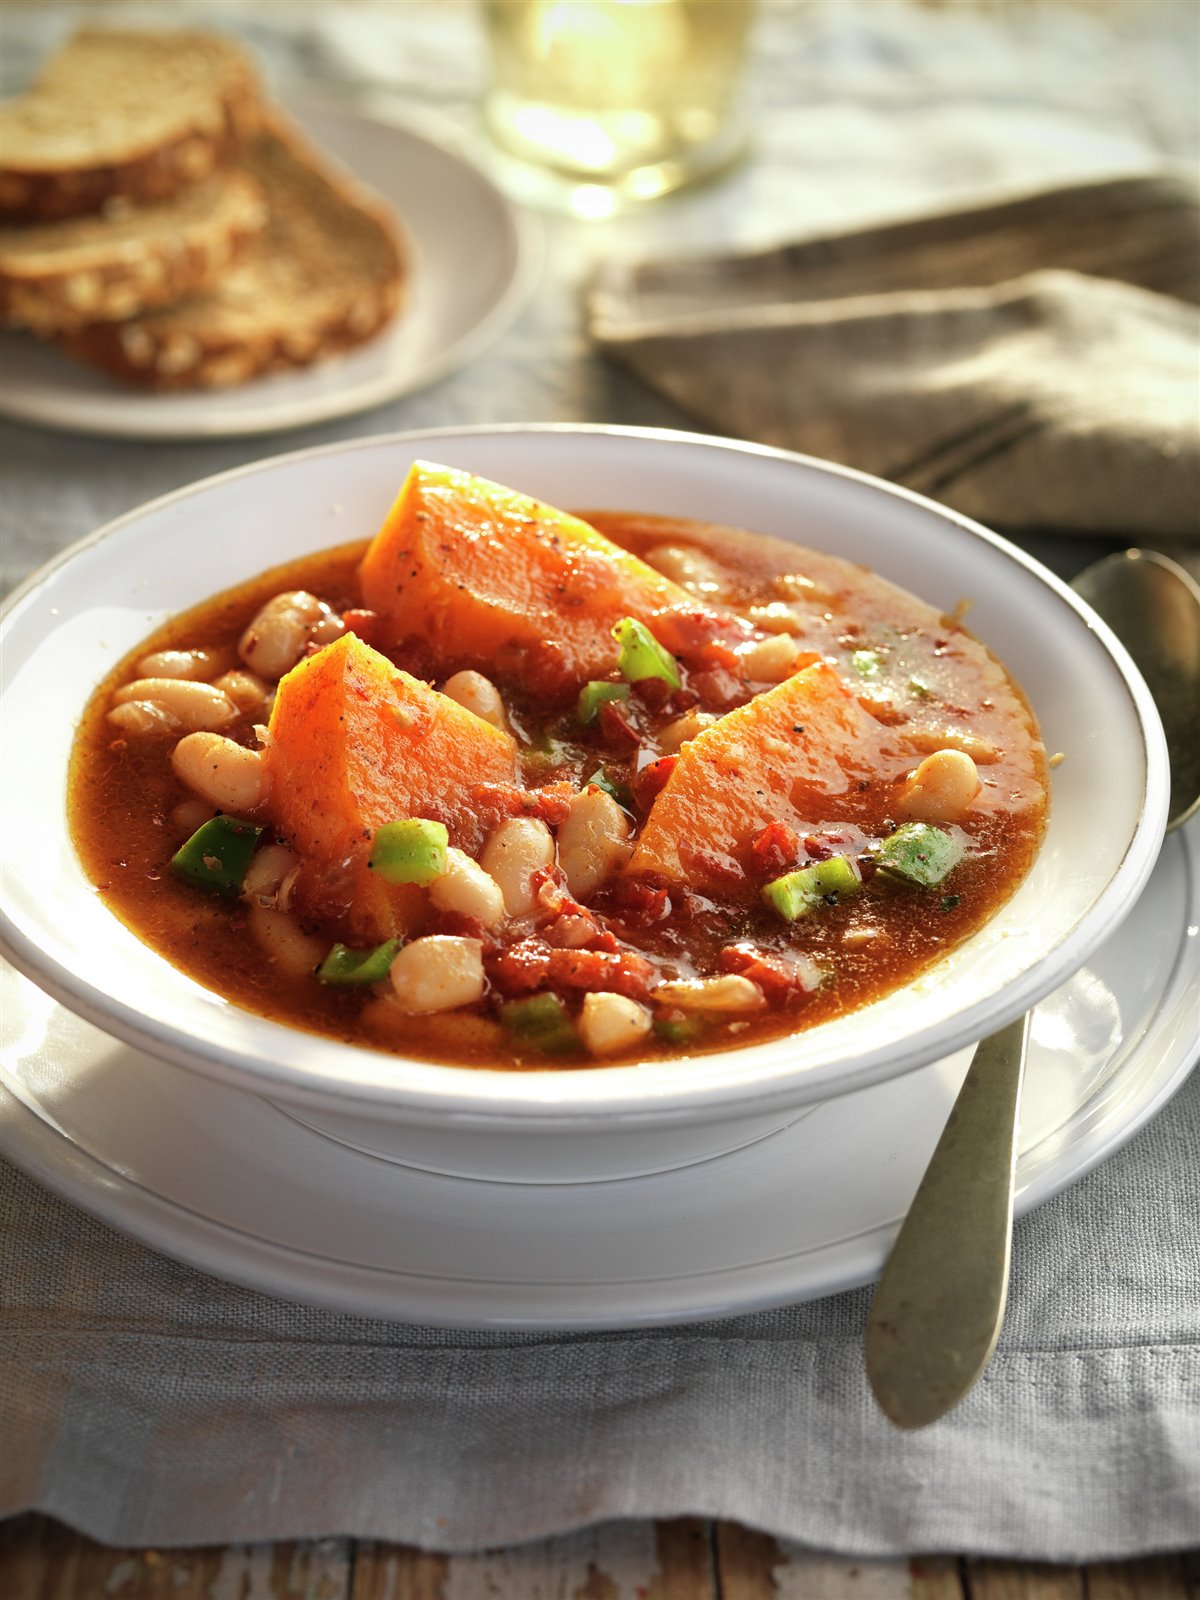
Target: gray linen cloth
<point>147,1403</point>
<point>1034,363</point>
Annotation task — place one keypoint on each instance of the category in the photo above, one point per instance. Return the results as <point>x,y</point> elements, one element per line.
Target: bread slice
<point>325,274</point>
<point>59,275</point>
<point>117,113</point>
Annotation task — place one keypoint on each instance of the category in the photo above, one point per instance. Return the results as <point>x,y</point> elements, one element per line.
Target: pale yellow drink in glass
<point>636,94</point>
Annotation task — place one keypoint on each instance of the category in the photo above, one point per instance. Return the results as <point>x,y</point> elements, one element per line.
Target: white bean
<point>795,586</point>
<point>771,660</point>
<point>572,931</point>
<point>284,942</point>
<point>328,628</point>
<point>279,633</point>
<point>176,664</point>
<point>517,849</point>
<point>247,690</point>
<point>612,1022</point>
<point>690,569</point>
<point>685,728</point>
<point>189,815</point>
<point>438,973</point>
<point>478,694</point>
<point>143,716</point>
<point>941,788</point>
<point>194,706</point>
<point>593,842</point>
<point>226,774</point>
<point>777,617</point>
<point>855,938</point>
<point>466,888</point>
<point>981,751</point>
<point>732,994</point>
<point>267,876</point>
<point>454,1031</point>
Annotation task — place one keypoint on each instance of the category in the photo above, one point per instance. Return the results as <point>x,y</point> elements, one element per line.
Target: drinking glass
<point>624,98</point>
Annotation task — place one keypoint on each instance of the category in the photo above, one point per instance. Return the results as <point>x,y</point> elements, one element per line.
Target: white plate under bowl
<point>222,1180</point>
<point>473,262</point>
<point>68,625</point>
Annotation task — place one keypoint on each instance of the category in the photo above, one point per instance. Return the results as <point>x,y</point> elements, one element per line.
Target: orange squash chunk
<point>488,577</point>
<point>804,753</point>
<point>354,743</point>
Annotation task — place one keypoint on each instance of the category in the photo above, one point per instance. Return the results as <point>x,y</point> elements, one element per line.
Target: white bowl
<point>64,629</point>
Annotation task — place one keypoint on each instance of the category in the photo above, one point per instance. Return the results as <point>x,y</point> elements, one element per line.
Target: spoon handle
<point>937,1309</point>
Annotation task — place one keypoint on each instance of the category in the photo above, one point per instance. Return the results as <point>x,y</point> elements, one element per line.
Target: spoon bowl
<point>1153,606</point>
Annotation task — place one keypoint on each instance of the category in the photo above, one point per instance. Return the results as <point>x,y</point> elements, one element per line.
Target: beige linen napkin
<point>1034,363</point>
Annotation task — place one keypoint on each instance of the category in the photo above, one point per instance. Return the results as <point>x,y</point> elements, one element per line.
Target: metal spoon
<point>939,1304</point>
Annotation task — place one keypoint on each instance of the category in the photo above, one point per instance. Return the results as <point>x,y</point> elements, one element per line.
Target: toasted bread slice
<point>123,114</point>
<point>58,275</point>
<point>325,274</point>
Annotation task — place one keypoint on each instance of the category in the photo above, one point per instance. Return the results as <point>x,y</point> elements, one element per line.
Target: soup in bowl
<point>440,809</point>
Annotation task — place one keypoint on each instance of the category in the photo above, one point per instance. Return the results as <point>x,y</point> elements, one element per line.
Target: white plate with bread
<point>200,263</point>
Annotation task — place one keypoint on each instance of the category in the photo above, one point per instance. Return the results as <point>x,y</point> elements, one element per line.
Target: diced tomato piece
<point>693,632</point>
<point>569,925</point>
<point>775,849</point>
<point>783,980</point>
<point>649,783</point>
<point>519,968</point>
<point>616,729</point>
<point>682,700</point>
<point>549,889</point>
<point>364,623</point>
<point>570,931</point>
<point>553,802</point>
<point>531,964</point>
<point>644,900</point>
<point>496,801</point>
<point>619,971</point>
<point>653,693</point>
<point>719,871</point>
<point>716,655</point>
<point>499,800</point>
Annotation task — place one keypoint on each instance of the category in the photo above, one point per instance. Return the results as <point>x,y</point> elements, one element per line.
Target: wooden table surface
<point>689,1559</point>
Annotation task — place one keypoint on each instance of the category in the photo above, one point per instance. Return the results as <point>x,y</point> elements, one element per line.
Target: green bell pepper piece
<point>542,1022</point>
<point>593,695</point>
<point>681,1030</point>
<point>409,851</point>
<point>217,855</point>
<point>918,854</point>
<point>642,656</point>
<point>821,883</point>
<point>345,967</point>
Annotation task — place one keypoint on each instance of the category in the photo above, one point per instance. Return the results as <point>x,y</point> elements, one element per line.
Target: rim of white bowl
<point>682,1089</point>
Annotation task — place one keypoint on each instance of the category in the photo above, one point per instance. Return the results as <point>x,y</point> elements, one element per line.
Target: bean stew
<point>504,787</point>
